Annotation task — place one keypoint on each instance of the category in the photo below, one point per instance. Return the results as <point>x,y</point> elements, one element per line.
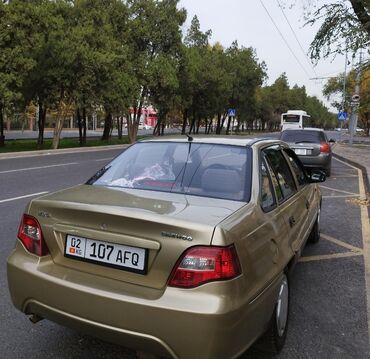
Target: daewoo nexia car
<point>311,146</point>
<point>179,247</point>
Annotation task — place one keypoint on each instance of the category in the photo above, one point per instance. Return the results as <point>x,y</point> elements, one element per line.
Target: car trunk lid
<point>164,225</point>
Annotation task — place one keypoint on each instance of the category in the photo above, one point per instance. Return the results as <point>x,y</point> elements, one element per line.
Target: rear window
<point>291,118</point>
<point>301,136</point>
<point>218,171</point>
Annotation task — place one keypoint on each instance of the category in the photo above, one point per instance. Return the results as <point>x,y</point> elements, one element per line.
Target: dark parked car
<point>311,146</point>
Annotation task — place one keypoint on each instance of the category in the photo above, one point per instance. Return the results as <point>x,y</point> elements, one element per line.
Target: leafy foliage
<point>111,58</point>
<point>344,25</point>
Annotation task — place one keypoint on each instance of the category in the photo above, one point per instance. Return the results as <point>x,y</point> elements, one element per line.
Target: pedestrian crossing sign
<point>231,112</point>
<point>342,116</point>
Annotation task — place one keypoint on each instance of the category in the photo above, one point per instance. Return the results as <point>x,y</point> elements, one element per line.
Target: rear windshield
<point>209,170</point>
<point>291,118</point>
<point>298,136</point>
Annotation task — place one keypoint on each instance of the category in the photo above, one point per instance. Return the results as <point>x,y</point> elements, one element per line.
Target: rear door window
<point>268,201</point>
<point>297,167</point>
<point>282,172</point>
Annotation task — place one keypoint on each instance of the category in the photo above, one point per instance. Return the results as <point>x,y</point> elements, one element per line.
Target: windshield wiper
<point>98,174</point>
<point>304,142</point>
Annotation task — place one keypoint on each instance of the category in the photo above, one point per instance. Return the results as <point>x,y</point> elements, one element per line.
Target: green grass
<point>31,145</point>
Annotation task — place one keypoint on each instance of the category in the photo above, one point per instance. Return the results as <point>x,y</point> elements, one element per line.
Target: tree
<point>344,26</point>
<point>14,60</point>
<point>191,68</point>
<point>334,87</point>
<point>154,37</point>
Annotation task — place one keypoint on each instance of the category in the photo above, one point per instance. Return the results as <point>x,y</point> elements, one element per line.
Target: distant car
<point>359,129</point>
<point>311,146</point>
<point>144,126</point>
<point>178,247</point>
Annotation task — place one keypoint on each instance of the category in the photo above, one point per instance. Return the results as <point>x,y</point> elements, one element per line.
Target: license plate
<point>300,151</point>
<point>115,255</point>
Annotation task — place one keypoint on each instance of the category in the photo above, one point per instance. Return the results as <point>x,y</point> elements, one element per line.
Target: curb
<point>361,167</point>
<point>62,151</point>
<point>364,174</point>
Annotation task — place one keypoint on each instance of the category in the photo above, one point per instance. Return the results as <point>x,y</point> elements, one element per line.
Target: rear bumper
<point>323,161</point>
<point>178,324</point>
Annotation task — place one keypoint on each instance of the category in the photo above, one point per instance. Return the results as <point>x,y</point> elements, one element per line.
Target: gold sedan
<point>180,247</point>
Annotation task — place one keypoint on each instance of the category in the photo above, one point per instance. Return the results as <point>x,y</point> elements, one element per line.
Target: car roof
<point>304,129</point>
<point>221,140</point>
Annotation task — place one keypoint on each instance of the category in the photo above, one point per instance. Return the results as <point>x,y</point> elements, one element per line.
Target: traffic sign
<point>356,98</point>
<point>342,116</point>
<point>231,112</point>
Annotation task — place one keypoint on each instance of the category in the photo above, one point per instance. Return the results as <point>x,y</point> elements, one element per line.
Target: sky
<point>248,22</point>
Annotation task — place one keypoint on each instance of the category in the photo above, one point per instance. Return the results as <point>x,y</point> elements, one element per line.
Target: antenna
<point>190,139</point>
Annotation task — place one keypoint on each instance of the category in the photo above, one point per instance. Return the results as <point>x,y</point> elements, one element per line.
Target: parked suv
<point>311,146</point>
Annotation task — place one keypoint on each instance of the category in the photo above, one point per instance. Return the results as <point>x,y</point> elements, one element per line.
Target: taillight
<point>199,265</point>
<point>30,234</point>
<point>325,147</point>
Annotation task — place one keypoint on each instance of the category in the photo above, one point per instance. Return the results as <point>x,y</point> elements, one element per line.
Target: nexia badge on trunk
<point>177,236</point>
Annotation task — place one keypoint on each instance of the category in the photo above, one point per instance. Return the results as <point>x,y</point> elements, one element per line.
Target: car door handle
<point>292,221</point>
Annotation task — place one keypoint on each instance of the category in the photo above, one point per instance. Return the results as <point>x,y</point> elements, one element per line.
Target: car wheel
<point>274,338</point>
<point>315,232</point>
<point>328,172</point>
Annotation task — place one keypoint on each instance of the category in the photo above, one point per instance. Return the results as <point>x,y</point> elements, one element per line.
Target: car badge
<point>177,236</point>
<point>103,226</point>
<point>44,214</point>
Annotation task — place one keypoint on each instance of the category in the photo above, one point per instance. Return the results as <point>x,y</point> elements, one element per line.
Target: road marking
<point>21,197</point>
<point>339,190</point>
<point>40,167</point>
<point>104,159</point>
<point>366,244</point>
<point>345,163</point>
<point>330,256</point>
<point>354,251</point>
<point>345,176</point>
<point>341,243</point>
<point>342,196</point>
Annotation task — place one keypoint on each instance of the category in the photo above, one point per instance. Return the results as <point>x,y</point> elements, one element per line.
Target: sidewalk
<point>358,155</point>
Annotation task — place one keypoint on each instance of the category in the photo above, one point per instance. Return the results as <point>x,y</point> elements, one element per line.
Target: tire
<point>272,341</point>
<point>314,236</point>
<point>328,172</point>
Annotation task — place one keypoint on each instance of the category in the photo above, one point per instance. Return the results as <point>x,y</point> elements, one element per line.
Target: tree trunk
<point>41,125</point>
<point>107,126</point>
<point>119,126</point>
<point>157,127</point>
<point>198,124</point>
<point>79,124</point>
<point>210,126</point>
<point>132,126</point>
<point>162,128</point>
<point>218,127</point>
<point>2,137</point>
<point>228,125</point>
<point>184,121</point>
<point>84,123</point>
<point>192,124</point>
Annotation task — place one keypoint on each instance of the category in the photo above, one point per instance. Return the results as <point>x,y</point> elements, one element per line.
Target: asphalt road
<point>328,302</point>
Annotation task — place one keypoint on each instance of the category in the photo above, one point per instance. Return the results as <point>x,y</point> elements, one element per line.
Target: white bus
<point>295,119</point>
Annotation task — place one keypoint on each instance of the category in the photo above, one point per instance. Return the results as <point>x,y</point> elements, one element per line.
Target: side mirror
<point>331,140</point>
<point>316,176</point>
